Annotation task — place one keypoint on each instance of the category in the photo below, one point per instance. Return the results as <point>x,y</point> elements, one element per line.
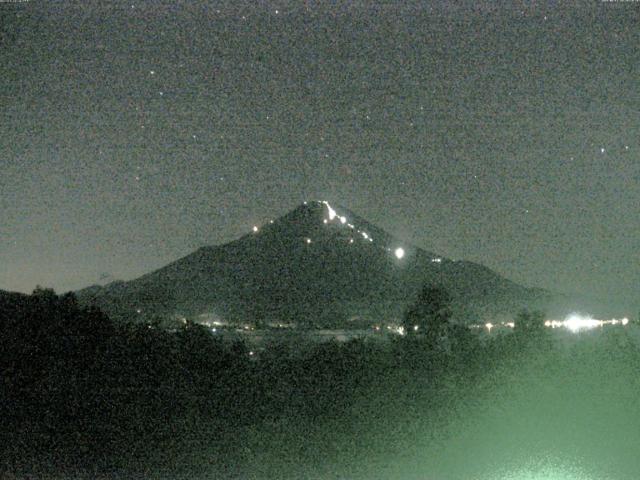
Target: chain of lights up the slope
<point>399,252</point>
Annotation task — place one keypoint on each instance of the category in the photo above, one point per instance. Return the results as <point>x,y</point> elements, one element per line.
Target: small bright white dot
<point>139,311</point>
<point>343,220</point>
<point>351,240</point>
<point>161,93</point>
<point>152,72</point>
<point>251,353</point>
<point>270,221</point>
<point>415,328</point>
<point>308,240</point>
<point>626,147</point>
<point>399,252</point>
<point>325,221</point>
<point>277,12</point>
<point>602,150</point>
<point>255,229</point>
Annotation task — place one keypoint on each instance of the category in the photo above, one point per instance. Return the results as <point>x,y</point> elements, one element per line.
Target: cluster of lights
<point>573,323</point>
<point>490,325</point>
<point>576,322</point>
<point>343,220</point>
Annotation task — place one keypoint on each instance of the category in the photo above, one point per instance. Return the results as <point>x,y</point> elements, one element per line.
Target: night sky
<point>132,133</point>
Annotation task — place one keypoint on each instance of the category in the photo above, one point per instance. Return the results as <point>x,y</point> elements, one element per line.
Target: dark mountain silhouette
<point>316,266</point>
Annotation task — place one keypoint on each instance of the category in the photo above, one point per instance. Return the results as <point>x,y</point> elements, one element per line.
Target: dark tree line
<point>81,393</point>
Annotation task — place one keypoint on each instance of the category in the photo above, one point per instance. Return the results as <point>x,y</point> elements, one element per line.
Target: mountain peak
<point>322,219</point>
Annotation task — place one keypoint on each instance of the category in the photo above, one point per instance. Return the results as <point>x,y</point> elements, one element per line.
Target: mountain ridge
<point>317,265</point>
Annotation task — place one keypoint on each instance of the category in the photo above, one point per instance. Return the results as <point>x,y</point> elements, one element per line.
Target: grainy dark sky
<point>132,133</point>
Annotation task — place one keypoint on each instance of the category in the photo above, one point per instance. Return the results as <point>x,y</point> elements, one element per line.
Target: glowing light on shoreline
<point>576,322</point>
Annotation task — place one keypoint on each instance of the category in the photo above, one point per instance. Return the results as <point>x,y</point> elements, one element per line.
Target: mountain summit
<point>317,265</point>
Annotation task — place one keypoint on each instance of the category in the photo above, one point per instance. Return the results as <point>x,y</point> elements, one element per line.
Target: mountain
<point>317,265</point>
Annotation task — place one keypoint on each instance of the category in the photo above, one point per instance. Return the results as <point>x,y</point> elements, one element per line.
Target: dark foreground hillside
<point>82,397</point>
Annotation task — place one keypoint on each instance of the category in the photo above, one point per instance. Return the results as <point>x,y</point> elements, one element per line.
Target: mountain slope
<point>316,265</point>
